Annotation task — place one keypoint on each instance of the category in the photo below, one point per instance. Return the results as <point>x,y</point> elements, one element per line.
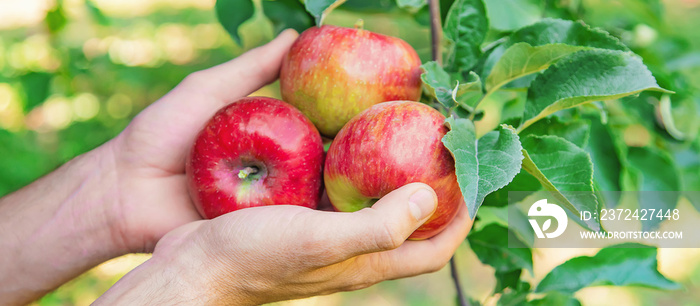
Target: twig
<point>458,285</point>
<point>435,30</point>
<point>436,38</point>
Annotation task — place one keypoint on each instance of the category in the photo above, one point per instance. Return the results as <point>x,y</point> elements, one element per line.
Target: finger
<point>243,75</point>
<point>170,125</point>
<point>420,257</point>
<point>410,259</point>
<point>384,226</point>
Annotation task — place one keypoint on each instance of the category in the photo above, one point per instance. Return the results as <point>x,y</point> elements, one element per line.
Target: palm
<point>155,162</point>
<point>157,205</point>
<point>151,152</point>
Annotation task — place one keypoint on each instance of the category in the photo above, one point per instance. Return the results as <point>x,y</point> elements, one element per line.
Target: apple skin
<point>262,133</point>
<point>333,73</point>
<point>388,146</point>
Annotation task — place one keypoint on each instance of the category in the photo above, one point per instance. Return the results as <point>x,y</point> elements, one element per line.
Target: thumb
<point>387,224</point>
<point>171,123</point>
<point>243,75</point>
<point>419,198</point>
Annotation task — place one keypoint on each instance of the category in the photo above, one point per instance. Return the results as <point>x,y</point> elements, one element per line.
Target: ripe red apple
<point>385,147</point>
<point>255,151</point>
<point>332,74</point>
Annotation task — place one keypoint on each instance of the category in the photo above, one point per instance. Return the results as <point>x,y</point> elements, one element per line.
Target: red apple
<point>256,151</point>
<point>332,74</point>
<point>385,147</point>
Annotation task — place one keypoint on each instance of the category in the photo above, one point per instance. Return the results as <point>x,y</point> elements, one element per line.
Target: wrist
<point>153,283</point>
<point>182,274</point>
<point>113,210</point>
<point>95,204</point>
<point>58,227</point>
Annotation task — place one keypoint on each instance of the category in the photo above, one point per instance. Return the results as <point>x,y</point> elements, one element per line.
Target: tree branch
<point>436,39</point>
<point>461,299</point>
<point>435,30</point>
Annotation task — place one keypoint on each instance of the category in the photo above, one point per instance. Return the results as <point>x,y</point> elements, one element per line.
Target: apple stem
<point>360,24</point>
<point>243,174</point>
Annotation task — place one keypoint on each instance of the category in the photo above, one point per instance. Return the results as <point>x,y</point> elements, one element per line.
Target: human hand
<point>123,196</point>
<point>150,154</point>
<point>265,254</point>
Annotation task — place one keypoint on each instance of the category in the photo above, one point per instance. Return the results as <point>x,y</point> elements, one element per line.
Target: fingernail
<point>289,32</point>
<point>422,203</point>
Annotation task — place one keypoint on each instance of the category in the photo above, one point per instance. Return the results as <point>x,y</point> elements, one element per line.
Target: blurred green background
<point>74,72</point>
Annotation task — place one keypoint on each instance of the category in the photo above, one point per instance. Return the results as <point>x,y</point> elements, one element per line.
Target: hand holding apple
<point>388,146</point>
<point>125,195</point>
<point>270,253</point>
<point>296,251</point>
<point>149,156</point>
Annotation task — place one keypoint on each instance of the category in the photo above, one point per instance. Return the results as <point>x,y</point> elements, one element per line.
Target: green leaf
<point>512,110</point>
<point>553,31</point>
<point>491,214</point>
<point>689,162</point>
<point>437,83</point>
<point>462,143</point>
<point>515,297</point>
<point>522,59</point>
<point>320,8</point>
<point>445,6</point>
<point>655,171</point>
<point>666,120</point>
<point>500,157</point>
<point>514,219</point>
<point>621,265</point>
<point>485,165</point>
<point>583,77</point>
<point>411,5</point>
<point>36,87</point>
<point>233,13</point>
<point>287,14</point>
<point>556,298</point>
<point>96,13</point>
<point>563,169</point>
<point>522,185</point>
<point>577,131</point>
<point>508,15</point>
<point>691,185</point>
<point>491,246</point>
<point>469,93</point>
<point>627,13</point>
<point>369,6</point>
<point>466,25</point>
<point>607,166</point>
<point>509,279</point>
<point>281,14</point>
<point>56,18</point>
<point>678,117</point>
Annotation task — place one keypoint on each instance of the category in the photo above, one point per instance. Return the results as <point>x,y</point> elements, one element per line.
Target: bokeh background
<point>74,72</point>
